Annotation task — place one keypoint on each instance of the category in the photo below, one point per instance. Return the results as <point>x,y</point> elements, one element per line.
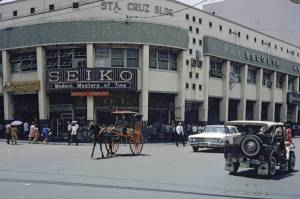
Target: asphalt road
<point>38,171</point>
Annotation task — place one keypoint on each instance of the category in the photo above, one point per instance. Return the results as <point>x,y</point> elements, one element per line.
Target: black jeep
<point>259,145</point>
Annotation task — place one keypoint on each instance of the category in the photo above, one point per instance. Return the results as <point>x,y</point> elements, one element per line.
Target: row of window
<point>32,10</point>
<point>187,86</point>
<point>104,57</point>
<point>238,34</point>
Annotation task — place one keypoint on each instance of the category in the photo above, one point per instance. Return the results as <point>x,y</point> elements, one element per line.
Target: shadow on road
<point>210,150</point>
<point>122,155</point>
<point>250,173</point>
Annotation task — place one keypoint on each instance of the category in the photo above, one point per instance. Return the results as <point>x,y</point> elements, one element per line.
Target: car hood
<point>209,135</point>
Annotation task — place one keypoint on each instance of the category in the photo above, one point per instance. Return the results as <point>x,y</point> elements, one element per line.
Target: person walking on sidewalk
<point>45,133</point>
<point>74,132</point>
<point>180,134</point>
<point>14,135</point>
<point>8,132</point>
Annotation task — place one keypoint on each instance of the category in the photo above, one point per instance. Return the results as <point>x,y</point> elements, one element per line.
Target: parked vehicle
<point>212,136</point>
<point>260,145</point>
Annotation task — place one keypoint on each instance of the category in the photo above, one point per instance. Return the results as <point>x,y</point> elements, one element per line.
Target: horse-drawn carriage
<point>128,125</point>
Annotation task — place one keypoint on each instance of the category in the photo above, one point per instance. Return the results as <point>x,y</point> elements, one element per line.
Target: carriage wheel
<point>136,143</point>
<point>115,145</point>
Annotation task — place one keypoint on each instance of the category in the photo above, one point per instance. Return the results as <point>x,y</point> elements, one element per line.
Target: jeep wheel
<point>292,162</point>
<point>195,148</point>
<point>235,168</point>
<point>272,166</point>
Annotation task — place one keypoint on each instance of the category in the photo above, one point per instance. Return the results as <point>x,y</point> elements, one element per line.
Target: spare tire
<point>251,145</point>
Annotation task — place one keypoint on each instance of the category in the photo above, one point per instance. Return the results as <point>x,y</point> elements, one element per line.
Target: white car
<point>213,136</point>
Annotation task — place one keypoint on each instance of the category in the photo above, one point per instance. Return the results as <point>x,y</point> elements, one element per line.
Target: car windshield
<point>252,129</point>
<point>209,129</point>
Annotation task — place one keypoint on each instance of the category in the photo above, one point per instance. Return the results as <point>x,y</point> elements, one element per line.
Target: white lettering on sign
<point>54,76</point>
<point>137,7</point>
<point>126,75</point>
<point>72,76</point>
<point>104,76</point>
<point>261,59</point>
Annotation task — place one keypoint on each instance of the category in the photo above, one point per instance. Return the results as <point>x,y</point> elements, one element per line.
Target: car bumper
<point>207,144</point>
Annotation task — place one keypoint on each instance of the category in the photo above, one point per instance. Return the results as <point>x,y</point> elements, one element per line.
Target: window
<point>194,19</point>
<point>230,31</point>
<point>297,54</point>
<point>23,61</point>
<point>200,42</point>
<point>247,37</point>
<point>75,5</point>
<point>191,28</point>
<point>279,81</point>
<point>235,73</point>
<point>51,7</point>
<point>291,85</point>
<point>200,21</point>
<point>239,34</point>
<point>215,69</point>
<point>267,79</point>
<point>220,27</point>
<point>187,85</point>
<point>255,39</point>
<point>117,57</point>
<point>102,57</point>
<point>194,40</point>
<point>153,59</point>
<point>163,60</point>
<point>191,74</point>
<point>251,79</point>
<point>275,47</point>
<point>281,48</point>
<point>194,86</point>
<point>133,58</point>
<point>15,13</point>
<point>210,24</point>
<point>32,10</point>
<point>191,51</point>
<point>200,87</point>
<point>197,75</point>
<point>197,30</point>
<point>187,62</point>
<point>172,61</point>
<point>187,17</point>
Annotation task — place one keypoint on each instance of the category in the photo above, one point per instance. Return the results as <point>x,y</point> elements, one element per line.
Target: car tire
<point>292,162</point>
<point>251,145</point>
<point>235,168</point>
<point>195,148</point>
<point>272,166</point>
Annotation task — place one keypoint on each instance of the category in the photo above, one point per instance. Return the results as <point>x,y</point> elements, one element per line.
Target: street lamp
<point>295,1</point>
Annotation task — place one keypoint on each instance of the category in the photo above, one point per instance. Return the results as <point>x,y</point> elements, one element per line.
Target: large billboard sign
<point>91,79</point>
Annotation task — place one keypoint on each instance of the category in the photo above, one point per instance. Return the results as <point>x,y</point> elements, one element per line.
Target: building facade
<point>66,60</point>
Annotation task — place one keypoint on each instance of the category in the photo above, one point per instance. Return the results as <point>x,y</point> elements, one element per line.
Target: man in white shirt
<point>74,132</point>
<point>179,134</point>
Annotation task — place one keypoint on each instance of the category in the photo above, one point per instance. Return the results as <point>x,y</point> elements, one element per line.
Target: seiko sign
<point>261,59</point>
<point>79,79</point>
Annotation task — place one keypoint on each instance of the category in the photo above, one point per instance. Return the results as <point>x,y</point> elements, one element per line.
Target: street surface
<point>38,171</point>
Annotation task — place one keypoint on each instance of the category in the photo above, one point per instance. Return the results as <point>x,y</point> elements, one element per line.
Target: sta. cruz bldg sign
<point>92,79</point>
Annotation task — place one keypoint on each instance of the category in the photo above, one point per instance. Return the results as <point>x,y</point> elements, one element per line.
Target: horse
<point>101,135</point>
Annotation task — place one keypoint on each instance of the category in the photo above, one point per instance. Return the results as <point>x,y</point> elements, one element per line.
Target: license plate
<point>244,164</point>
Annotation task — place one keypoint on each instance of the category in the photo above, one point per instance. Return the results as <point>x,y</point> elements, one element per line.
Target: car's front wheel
<point>272,166</point>
<point>195,148</point>
<point>292,162</point>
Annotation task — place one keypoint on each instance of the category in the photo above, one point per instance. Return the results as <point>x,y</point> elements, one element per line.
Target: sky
<point>189,2</point>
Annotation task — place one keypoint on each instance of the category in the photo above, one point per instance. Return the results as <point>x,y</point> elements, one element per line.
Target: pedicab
<point>128,125</point>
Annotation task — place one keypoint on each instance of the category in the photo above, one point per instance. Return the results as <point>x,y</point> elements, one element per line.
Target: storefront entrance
<point>26,107</point>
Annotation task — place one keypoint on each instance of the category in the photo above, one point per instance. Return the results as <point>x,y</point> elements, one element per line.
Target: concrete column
<point>180,98</point>
<point>90,61</point>
<point>43,98</point>
<point>144,95</point>
<point>243,101</point>
<point>295,108</point>
<point>283,109</point>
<point>225,101</point>
<point>257,106</point>
<point>271,108</point>
<point>203,112</point>
<point>7,97</point>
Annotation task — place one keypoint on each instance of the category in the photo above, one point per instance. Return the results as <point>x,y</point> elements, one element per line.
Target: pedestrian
<point>45,133</point>
<point>14,135</point>
<point>180,134</point>
<point>25,130</point>
<point>74,132</point>
<point>36,135</point>
<point>194,129</point>
<point>31,133</point>
<point>8,132</point>
<point>69,129</point>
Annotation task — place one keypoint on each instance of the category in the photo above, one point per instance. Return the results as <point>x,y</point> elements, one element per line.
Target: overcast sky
<point>190,2</point>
